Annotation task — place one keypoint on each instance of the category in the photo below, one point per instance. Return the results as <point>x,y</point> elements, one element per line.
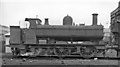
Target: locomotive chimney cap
<point>95,14</point>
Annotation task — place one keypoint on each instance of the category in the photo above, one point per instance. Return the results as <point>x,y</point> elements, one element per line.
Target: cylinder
<point>94,22</point>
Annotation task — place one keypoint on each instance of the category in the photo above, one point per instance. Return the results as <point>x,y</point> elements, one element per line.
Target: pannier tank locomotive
<point>59,40</point>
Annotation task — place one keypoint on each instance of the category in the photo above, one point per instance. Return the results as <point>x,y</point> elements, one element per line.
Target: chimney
<point>46,21</point>
<point>94,21</point>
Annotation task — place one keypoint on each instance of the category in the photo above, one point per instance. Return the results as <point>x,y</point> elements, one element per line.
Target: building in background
<point>3,30</point>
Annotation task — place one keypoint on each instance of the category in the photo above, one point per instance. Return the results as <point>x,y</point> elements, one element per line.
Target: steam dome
<point>67,20</point>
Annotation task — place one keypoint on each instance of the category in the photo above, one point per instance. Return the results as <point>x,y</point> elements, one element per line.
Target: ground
<point>58,62</point>
<point>8,60</point>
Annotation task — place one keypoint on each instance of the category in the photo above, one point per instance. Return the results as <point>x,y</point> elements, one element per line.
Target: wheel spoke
<point>61,51</point>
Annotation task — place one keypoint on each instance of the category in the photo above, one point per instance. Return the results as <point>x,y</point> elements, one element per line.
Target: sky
<point>14,11</point>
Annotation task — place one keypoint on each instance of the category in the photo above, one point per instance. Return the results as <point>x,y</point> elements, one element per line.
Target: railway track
<point>10,61</point>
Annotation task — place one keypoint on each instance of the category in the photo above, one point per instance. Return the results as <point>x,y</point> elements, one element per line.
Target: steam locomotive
<point>63,40</point>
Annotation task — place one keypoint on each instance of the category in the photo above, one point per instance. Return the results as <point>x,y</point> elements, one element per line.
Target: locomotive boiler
<point>57,40</point>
